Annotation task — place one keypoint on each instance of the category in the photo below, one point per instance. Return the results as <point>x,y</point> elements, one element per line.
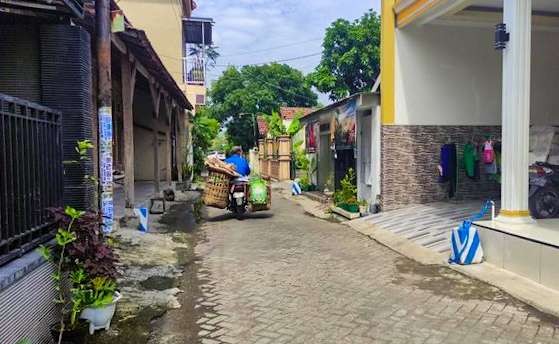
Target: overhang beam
<point>425,11</point>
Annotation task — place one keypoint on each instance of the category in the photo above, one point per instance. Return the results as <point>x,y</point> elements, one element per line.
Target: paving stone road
<point>292,278</point>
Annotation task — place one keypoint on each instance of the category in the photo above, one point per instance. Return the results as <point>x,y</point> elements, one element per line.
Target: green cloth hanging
<point>470,158</point>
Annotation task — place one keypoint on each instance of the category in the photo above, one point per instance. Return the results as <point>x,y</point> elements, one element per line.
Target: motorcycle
<point>544,191</point>
<point>238,198</point>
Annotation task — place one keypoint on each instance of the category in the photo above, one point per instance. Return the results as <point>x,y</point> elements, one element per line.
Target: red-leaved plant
<point>90,250</point>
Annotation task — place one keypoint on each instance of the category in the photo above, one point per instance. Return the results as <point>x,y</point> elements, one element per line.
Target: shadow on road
<point>231,216</point>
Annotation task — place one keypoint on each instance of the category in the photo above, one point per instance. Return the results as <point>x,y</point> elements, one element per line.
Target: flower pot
<point>352,208</point>
<point>74,336</point>
<point>100,318</point>
<point>363,209</point>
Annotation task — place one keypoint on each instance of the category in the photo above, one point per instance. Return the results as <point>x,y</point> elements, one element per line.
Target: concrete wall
<point>452,76</point>
<point>26,300</point>
<point>410,159</point>
<point>143,154</point>
<point>143,137</point>
<point>161,20</point>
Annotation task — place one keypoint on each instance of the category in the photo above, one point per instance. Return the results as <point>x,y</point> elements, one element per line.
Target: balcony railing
<point>31,174</point>
<point>194,71</point>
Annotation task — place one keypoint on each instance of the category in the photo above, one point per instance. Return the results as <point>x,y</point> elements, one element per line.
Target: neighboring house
<point>47,104</point>
<point>339,137</point>
<point>288,114</point>
<point>445,80</point>
<point>170,27</point>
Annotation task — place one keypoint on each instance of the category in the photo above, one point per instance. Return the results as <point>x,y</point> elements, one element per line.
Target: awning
<point>139,46</point>
<point>70,7</point>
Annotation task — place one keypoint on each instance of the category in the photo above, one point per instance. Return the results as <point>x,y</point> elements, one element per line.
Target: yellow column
<point>387,61</point>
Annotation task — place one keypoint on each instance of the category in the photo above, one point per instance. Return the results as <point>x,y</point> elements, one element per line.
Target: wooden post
<point>180,141</point>
<point>156,97</point>
<point>168,148</point>
<point>104,110</point>
<point>128,72</point>
<point>168,162</point>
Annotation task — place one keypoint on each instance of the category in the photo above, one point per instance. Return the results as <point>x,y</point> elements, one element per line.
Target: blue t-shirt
<point>241,164</point>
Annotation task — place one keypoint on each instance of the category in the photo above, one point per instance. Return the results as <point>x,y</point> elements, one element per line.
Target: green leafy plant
<point>295,126</point>
<point>186,170</point>
<point>24,341</point>
<point>63,238</point>
<point>305,183</point>
<point>348,189</point>
<point>101,293</point>
<point>275,125</point>
<point>301,159</point>
<point>350,60</point>
<point>204,130</point>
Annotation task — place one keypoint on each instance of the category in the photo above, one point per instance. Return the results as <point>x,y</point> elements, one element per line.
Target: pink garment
<point>488,154</point>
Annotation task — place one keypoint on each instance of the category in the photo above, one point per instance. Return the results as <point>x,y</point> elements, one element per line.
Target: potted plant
<point>346,197</point>
<point>101,302</point>
<point>81,254</point>
<point>363,207</point>
<point>69,329</point>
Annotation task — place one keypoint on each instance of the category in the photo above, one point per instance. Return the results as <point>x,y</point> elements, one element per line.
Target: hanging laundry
<point>471,160</point>
<point>488,154</point>
<point>448,168</point>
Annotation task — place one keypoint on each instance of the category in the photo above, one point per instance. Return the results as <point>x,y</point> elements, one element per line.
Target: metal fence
<point>194,71</point>
<point>31,174</point>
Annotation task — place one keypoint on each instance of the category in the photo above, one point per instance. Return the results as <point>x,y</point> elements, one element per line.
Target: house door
<point>325,161</point>
<point>345,159</point>
<point>364,157</point>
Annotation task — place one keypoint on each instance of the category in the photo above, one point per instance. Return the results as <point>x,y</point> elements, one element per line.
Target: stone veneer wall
<point>410,159</point>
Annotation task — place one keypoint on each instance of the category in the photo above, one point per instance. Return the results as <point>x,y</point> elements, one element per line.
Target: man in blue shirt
<point>240,163</point>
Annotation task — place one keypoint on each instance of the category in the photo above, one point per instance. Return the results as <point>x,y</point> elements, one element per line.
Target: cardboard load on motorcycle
<point>216,193</point>
<point>260,197</point>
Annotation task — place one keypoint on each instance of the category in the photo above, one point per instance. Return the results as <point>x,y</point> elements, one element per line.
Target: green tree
<point>351,57</point>
<point>240,94</point>
<point>204,130</point>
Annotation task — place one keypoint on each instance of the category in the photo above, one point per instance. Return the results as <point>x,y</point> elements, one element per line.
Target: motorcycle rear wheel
<point>544,204</point>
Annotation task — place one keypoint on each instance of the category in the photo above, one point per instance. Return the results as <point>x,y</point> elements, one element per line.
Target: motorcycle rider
<point>241,164</point>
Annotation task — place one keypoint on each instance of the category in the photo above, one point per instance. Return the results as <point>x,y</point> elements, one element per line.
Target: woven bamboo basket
<point>216,193</point>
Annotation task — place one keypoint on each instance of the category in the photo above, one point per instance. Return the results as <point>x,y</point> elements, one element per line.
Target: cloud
<point>246,30</point>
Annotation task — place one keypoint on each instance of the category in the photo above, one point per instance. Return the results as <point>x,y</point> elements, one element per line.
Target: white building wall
<point>452,76</point>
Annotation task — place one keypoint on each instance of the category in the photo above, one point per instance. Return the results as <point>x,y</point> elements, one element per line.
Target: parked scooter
<point>544,191</point>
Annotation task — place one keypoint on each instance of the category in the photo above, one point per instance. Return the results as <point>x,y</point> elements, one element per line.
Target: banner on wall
<point>346,125</point>
<point>311,137</point>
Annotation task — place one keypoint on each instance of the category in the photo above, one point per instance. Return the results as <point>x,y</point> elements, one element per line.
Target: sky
<point>259,31</point>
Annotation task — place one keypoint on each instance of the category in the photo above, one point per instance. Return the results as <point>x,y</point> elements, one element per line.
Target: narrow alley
<point>286,277</point>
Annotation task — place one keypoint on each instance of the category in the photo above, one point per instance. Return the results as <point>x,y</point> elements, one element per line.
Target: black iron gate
<point>31,174</point>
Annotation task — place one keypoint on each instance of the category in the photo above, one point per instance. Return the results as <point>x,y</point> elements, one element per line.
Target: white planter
<point>100,318</point>
<point>363,209</point>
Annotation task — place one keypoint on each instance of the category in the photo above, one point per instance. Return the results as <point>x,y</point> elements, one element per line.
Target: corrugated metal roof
<point>71,7</point>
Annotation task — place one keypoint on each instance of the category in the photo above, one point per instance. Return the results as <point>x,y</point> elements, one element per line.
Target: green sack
<point>258,191</point>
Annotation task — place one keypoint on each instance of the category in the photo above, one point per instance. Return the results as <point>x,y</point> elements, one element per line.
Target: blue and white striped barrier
<point>465,243</point>
<point>142,214</point>
<point>296,188</point>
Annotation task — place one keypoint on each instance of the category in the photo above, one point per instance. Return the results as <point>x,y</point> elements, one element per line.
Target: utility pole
<point>104,110</point>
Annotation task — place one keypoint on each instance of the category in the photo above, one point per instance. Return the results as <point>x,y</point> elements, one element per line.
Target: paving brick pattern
<point>292,278</point>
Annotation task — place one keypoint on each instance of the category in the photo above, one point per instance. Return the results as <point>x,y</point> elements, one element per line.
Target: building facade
<point>472,71</point>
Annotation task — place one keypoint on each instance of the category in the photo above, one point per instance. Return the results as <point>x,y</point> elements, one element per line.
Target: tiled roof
<point>288,113</point>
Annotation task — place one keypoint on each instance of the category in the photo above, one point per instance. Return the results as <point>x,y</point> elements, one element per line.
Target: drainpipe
<point>104,111</point>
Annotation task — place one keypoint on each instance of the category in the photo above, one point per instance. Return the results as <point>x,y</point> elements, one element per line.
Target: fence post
<point>284,157</point>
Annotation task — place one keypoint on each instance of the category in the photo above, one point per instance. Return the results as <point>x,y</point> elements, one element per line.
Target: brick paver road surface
<point>291,278</point>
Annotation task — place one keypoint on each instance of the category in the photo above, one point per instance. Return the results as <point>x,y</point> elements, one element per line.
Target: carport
<point>452,70</point>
